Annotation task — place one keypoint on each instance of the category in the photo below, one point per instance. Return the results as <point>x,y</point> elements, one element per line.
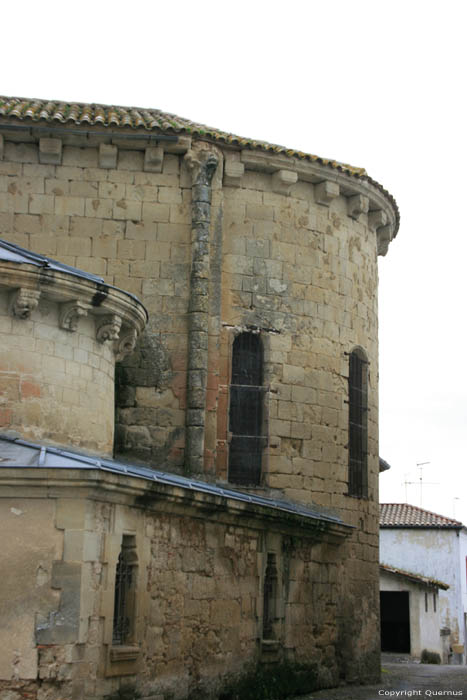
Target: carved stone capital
<point>70,313</point>
<point>326,191</point>
<point>356,205</point>
<point>23,302</point>
<point>202,164</point>
<point>282,181</point>
<point>108,328</point>
<point>125,344</point>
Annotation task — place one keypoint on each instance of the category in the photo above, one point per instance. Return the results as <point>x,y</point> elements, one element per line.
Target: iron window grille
<point>269,597</point>
<point>124,602</point>
<point>358,425</point>
<point>246,411</point>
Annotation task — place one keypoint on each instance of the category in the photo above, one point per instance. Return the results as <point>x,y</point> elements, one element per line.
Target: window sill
<point>123,653</point>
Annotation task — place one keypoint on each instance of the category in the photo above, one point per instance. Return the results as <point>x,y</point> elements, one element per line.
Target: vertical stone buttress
<point>202,165</point>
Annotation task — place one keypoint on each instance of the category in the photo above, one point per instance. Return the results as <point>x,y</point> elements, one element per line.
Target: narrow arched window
<point>358,424</point>
<point>246,410</point>
<point>269,597</point>
<point>124,601</point>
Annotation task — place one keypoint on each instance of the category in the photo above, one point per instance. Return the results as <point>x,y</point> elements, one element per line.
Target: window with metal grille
<point>246,410</point>
<point>269,597</point>
<point>124,603</point>
<point>358,424</point>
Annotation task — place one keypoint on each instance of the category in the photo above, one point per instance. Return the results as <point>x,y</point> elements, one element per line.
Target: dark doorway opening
<point>395,621</point>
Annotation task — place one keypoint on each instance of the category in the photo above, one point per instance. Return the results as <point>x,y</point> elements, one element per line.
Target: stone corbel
<point>325,192</point>
<point>1,147</point>
<point>108,328</point>
<point>108,156</point>
<point>70,313</point>
<point>384,237</point>
<point>356,205</point>
<point>181,146</point>
<point>23,302</point>
<point>233,173</point>
<point>153,159</point>
<point>50,151</point>
<point>125,344</point>
<point>376,219</point>
<point>282,181</point>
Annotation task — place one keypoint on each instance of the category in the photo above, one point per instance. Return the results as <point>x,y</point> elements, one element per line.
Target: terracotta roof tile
<point>138,118</point>
<point>43,112</point>
<point>405,515</point>
<point>416,578</point>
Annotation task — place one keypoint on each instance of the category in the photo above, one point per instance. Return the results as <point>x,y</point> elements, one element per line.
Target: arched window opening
<point>124,602</point>
<point>246,410</point>
<point>270,597</point>
<point>358,424</point>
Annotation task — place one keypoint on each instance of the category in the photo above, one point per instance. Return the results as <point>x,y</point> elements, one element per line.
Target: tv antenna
<point>420,482</point>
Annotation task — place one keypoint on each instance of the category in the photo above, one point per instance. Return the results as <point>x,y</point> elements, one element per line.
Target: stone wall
<point>55,385</point>
<point>199,586</point>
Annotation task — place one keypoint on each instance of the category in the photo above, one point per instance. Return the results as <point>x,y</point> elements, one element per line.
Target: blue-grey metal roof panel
<point>15,452</point>
<point>14,253</point>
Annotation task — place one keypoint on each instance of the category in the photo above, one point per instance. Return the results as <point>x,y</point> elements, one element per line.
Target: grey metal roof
<point>18,453</point>
<point>14,253</point>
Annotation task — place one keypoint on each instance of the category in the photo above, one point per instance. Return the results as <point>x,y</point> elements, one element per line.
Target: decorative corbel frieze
<point>282,181</point>
<point>356,205</point>
<point>384,237</point>
<point>108,155</point>
<point>233,173</point>
<point>108,327</point>
<point>376,219</point>
<point>50,151</point>
<point>23,302</point>
<point>70,313</point>
<point>125,344</point>
<point>153,159</point>
<point>1,146</point>
<point>326,191</point>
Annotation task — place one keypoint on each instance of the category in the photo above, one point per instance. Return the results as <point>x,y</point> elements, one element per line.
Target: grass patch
<point>273,683</point>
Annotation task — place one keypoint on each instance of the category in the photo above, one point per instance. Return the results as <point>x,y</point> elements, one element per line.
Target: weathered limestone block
<point>108,155</point>
<point>50,151</point>
<point>282,181</point>
<point>154,159</point>
<point>326,191</point>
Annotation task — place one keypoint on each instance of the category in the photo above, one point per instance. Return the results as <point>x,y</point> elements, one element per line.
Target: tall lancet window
<point>358,424</point>
<point>246,410</point>
<point>125,583</point>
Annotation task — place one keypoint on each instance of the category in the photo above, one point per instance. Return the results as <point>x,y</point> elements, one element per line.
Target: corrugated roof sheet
<point>15,452</point>
<point>416,578</point>
<point>405,515</point>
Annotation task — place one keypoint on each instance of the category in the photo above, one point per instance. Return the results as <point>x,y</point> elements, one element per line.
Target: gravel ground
<point>403,679</point>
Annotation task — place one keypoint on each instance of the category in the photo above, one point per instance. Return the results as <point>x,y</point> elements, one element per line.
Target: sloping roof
<point>78,113</point>
<point>15,452</point>
<point>15,253</point>
<point>405,515</point>
<point>416,578</point>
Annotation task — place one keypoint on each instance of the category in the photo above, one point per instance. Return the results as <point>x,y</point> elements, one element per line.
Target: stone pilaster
<point>202,165</point>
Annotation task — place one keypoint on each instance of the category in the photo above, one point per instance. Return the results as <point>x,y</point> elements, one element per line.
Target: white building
<point>430,550</point>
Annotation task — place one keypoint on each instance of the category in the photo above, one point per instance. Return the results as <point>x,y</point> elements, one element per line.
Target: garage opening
<point>395,621</point>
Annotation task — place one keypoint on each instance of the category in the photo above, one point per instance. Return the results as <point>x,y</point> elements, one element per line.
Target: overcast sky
<point>377,84</point>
